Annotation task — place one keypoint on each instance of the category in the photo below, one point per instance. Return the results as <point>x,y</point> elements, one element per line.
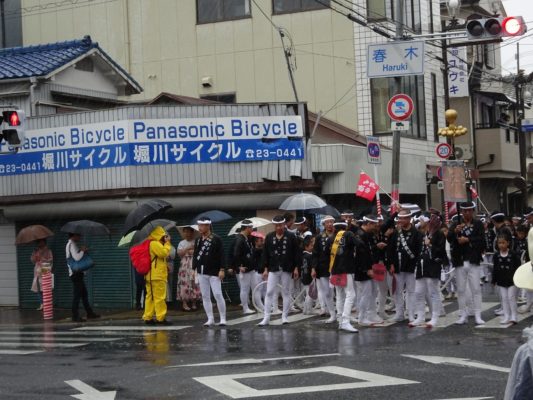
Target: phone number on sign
<point>24,167</point>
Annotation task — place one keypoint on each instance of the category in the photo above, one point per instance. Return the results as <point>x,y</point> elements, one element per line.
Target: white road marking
<point>53,339</point>
<point>292,318</point>
<point>88,392</point>
<point>495,322</point>
<point>229,386</point>
<point>131,328</point>
<point>450,318</point>
<point>41,344</point>
<point>464,362</point>
<point>20,352</point>
<point>246,318</point>
<point>253,360</point>
<point>471,398</point>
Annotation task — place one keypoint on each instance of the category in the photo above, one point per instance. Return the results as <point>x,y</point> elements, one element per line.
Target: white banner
<point>457,72</point>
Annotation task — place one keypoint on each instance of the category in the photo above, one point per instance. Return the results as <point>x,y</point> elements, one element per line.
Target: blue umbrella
<point>213,215</point>
<point>326,210</point>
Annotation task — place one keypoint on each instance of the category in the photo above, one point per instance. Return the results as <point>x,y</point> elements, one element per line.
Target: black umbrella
<point>143,233</point>
<point>85,227</point>
<point>143,214</point>
<point>326,210</point>
<point>213,215</point>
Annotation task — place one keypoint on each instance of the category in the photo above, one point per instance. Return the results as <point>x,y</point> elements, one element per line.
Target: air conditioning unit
<point>463,151</point>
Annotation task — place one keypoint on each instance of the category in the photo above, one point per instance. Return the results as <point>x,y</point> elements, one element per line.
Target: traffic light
<point>495,27</point>
<point>13,132</point>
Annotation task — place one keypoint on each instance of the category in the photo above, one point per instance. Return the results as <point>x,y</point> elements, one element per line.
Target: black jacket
<point>321,256</point>
<point>305,272</point>
<point>433,257</point>
<point>283,254</point>
<point>366,256</point>
<point>504,268</point>
<point>403,260</point>
<point>243,253</point>
<point>344,262</point>
<point>208,253</point>
<point>471,251</point>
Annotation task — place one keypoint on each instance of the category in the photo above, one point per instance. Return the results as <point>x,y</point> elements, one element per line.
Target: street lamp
<point>453,6</point>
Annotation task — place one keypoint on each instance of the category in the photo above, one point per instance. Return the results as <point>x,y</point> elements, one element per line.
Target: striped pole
<point>48,304</point>
<point>446,213</point>
<point>378,204</point>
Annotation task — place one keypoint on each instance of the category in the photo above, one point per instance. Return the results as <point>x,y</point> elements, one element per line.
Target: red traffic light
<point>514,26</point>
<point>12,118</point>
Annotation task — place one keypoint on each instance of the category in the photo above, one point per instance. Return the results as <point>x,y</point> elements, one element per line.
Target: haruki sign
<point>395,59</point>
<point>157,141</point>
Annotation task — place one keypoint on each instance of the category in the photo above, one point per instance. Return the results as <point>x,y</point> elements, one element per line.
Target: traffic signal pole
<point>519,86</point>
<point>396,135</point>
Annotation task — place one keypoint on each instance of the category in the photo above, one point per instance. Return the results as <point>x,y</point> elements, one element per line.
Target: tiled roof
<point>41,60</point>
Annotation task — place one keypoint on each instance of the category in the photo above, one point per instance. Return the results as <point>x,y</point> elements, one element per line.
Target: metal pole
<point>521,135</point>
<point>395,175</point>
<point>3,18</point>
<point>289,66</point>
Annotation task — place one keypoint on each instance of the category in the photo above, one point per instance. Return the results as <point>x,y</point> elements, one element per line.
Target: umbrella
<point>136,237</point>
<point>326,210</point>
<point>140,216</point>
<point>33,232</point>
<point>180,229</point>
<point>257,221</point>
<point>213,215</point>
<point>302,201</point>
<point>85,227</point>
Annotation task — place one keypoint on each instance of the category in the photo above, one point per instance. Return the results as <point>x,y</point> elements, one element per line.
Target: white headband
<point>366,219</point>
<point>204,222</point>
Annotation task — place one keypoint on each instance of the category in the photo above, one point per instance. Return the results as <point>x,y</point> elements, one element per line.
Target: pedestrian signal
<point>14,128</point>
<point>495,28</point>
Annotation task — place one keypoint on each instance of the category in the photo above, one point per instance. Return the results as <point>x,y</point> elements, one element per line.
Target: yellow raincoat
<point>156,279</point>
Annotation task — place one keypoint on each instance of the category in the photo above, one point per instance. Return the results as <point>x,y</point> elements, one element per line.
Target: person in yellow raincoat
<point>156,279</point>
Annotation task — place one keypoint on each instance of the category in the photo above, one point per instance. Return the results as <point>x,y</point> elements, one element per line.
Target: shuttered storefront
<point>110,282</point>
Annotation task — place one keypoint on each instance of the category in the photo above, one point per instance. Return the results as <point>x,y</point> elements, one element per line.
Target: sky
<point>508,51</point>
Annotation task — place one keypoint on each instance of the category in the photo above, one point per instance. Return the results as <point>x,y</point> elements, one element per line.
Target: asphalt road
<point>303,360</point>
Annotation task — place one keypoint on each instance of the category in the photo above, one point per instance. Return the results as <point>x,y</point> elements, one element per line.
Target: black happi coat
<point>366,255</point>
<point>209,253</point>
<point>471,251</point>
<point>345,258</point>
<point>281,254</point>
<point>243,253</point>
<point>521,247</point>
<point>504,268</point>
<point>306,268</point>
<point>433,256</point>
<point>321,256</point>
<point>403,260</point>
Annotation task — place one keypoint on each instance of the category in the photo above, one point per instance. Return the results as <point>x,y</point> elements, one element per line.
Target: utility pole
<point>519,86</point>
<point>396,135</point>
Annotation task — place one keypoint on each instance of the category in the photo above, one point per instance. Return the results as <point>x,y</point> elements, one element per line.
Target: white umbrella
<point>302,201</point>
<point>257,221</point>
<point>180,228</point>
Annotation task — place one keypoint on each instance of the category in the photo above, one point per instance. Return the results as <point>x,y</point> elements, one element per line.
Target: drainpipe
<point>33,103</point>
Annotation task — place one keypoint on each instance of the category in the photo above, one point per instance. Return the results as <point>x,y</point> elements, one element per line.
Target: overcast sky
<point>508,50</point>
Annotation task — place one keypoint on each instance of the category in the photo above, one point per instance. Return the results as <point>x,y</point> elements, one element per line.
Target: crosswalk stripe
<point>247,318</point>
<point>293,318</point>
<point>52,339</point>
<point>132,328</point>
<point>67,333</point>
<point>495,322</point>
<point>42,344</point>
<point>20,352</point>
<point>450,318</point>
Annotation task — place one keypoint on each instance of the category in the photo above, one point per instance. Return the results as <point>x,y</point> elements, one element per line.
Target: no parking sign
<point>400,107</point>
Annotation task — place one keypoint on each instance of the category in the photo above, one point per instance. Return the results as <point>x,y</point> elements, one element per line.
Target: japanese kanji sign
<point>457,72</point>
<point>395,59</point>
<point>366,187</point>
<point>157,141</point>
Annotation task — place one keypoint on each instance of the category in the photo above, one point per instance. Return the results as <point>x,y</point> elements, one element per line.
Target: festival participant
<point>466,236</point>
<point>258,240</point>
<point>351,224</point>
<point>306,277</point>
<point>506,262</point>
<point>208,261</point>
<point>528,215</point>
<point>281,259</point>
<point>341,247</point>
<point>428,272</point>
<point>243,261</point>
<point>366,257</point>
<point>404,253</point>
<point>320,269</point>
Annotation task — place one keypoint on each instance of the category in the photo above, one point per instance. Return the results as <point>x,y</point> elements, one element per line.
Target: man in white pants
<point>208,261</point>
<point>243,260</point>
<point>320,269</point>
<point>467,240</point>
<point>404,253</point>
<point>281,259</point>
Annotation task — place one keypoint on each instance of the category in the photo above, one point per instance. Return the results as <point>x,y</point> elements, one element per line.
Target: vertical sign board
<point>454,179</point>
<point>457,72</point>
<point>373,150</point>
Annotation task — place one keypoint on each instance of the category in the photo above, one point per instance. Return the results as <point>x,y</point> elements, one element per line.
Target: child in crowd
<point>506,262</point>
<point>308,244</point>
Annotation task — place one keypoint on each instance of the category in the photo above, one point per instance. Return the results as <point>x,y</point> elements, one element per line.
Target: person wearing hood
<point>156,279</point>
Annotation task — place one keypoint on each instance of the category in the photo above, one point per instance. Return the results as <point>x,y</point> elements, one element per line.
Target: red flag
<point>366,187</point>
<point>474,193</point>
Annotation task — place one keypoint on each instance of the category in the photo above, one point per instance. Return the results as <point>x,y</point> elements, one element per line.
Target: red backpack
<point>140,257</point>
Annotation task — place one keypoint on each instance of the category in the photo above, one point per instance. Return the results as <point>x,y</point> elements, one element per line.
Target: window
<point>221,10</point>
<point>383,89</point>
<point>290,6</point>
<point>379,10</point>
<point>221,98</point>
<point>376,10</point>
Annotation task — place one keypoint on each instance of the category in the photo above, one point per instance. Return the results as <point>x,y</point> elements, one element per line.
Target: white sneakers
<point>347,327</point>
<point>331,319</point>
<point>461,320</point>
<point>417,322</point>
<point>523,309</point>
<point>209,322</point>
<point>264,322</point>
<point>479,320</point>
<point>284,321</point>
<point>222,322</point>
<point>248,311</point>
